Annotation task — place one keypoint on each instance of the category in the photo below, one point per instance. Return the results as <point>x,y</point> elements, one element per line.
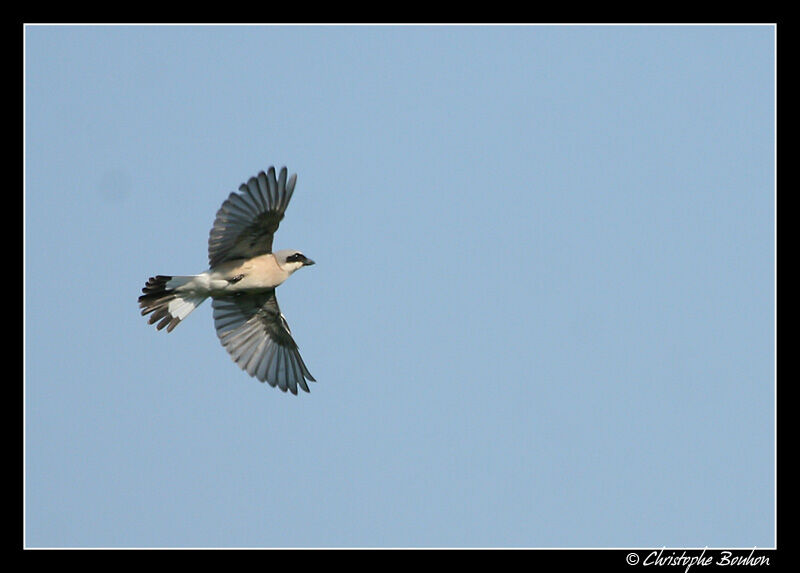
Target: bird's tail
<point>169,303</point>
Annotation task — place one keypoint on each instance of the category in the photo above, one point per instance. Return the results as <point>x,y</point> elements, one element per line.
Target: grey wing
<point>257,336</point>
<point>248,219</point>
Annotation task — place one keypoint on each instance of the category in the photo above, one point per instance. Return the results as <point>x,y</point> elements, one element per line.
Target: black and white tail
<point>169,304</point>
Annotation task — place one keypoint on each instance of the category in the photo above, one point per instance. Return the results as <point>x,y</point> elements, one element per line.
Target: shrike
<point>241,280</point>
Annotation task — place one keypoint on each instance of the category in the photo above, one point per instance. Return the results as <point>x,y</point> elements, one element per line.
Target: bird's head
<point>290,260</point>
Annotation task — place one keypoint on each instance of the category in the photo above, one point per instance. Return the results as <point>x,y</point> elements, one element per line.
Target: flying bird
<point>241,280</point>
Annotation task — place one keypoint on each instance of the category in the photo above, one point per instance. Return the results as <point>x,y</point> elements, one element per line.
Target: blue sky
<point>542,313</point>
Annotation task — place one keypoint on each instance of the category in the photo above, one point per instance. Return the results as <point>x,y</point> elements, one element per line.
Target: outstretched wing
<point>248,219</point>
<point>257,336</point>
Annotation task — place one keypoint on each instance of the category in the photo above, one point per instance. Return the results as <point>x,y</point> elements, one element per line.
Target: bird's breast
<point>251,275</point>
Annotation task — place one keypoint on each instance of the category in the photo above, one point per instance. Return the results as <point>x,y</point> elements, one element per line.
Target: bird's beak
<point>308,262</point>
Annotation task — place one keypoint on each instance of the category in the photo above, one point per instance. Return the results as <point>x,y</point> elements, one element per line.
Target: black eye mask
<point>296,257</point>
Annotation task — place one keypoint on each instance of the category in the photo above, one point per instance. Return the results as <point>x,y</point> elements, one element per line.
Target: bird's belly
<point>255,275</point>
<point>254,283</point>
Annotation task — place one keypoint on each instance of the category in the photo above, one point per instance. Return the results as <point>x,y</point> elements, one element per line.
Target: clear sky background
<point>542,313</point>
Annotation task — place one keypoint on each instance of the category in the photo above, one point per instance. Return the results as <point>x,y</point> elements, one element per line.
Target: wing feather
<point>247,220</point>
<point>257,336</point>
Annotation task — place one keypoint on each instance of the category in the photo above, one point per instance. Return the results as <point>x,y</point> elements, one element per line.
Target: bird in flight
<point>241,280</point>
